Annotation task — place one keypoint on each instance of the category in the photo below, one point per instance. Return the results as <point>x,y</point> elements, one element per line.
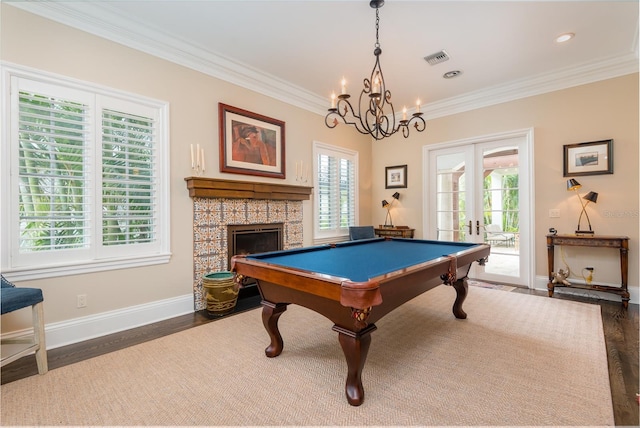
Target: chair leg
<point>39,337</point>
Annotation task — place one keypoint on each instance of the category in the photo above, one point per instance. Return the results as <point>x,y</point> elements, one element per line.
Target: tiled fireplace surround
<point>219,203</point>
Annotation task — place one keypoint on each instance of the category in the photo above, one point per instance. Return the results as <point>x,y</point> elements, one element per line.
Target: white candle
<point>192,160</point>
<point>203,159</point>
<point>404,113</point>
<point>344,86</point>
<point>198,156</point>
<point>418,106</point>
<point>333,100</point>
<point>376,83</point>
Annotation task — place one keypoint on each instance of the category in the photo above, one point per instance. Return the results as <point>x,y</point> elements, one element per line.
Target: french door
<point>478,190</point>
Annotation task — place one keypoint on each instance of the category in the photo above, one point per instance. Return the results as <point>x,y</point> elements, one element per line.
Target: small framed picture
<point>395,177</point>
<point>250,143</point>
<point>592,158</point>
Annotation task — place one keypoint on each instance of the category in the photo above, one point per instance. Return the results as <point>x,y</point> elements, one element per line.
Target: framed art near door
<point>592,158</point>
<point>395,177</point>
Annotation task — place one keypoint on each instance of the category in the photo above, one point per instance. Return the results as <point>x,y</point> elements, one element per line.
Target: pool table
<point>354,284</point>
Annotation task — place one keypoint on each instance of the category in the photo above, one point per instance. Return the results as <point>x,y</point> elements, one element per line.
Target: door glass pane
<point>450,197</point>
<point>501,209</point>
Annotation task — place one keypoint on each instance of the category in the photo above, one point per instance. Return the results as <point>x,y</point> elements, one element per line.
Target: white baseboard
<point>79,329</point>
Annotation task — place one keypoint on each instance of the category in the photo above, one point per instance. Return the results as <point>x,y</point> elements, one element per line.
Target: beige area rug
<point>516,360</point>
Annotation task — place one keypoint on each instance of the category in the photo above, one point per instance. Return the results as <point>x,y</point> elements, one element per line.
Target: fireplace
<point>221,205</point>
<point>254,238</point>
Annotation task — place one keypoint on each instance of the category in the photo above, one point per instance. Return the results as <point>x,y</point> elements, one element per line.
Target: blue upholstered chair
<point>13,298</point>
<point>361,232</point>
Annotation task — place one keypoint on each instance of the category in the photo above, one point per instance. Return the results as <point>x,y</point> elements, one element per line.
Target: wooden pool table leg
<point>270,314</point>
<point>462,288</point>
<point>355,346</point>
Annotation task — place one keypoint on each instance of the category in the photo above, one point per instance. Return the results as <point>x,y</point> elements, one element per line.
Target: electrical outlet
<point>554,213</point>
<point>82,301</point>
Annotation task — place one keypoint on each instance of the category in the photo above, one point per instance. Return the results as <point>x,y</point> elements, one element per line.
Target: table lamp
<point>573,184</point>
<point>387,221</point>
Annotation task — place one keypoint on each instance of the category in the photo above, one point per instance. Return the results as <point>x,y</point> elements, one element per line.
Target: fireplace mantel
<point>203,187</point>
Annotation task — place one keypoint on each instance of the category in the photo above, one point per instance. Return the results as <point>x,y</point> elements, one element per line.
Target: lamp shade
<point>396,195</point>
<point>385,204</point>
<point>591,197</point>
<point>572,184</point>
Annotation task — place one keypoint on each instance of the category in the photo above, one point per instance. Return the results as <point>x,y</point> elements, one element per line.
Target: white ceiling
<point>298,51</point>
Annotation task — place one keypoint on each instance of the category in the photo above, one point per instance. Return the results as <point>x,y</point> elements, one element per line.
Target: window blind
<point>128,208</point>
<point>336,186</point>
<point>52,176</point>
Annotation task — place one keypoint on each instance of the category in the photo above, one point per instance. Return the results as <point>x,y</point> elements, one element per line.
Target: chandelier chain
<point>377,45</point>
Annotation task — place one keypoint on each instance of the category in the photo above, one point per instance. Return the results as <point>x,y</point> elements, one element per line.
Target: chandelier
<point>376,115</point>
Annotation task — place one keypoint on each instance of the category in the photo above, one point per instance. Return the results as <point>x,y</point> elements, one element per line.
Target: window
<point>83,176</point>
<point>336,201</point>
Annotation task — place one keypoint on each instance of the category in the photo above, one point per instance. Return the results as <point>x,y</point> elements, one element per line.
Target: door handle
<point>478,227</point>
<point>470,228</point>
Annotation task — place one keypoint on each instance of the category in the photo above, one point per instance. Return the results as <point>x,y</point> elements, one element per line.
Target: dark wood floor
<point>620,330</point>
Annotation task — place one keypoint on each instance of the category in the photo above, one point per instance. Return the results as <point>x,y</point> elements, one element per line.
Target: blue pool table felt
<point>362,260</point>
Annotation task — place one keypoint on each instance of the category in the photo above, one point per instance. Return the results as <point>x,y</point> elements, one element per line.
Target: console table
<point>620,242</point>
<point>396,232</point>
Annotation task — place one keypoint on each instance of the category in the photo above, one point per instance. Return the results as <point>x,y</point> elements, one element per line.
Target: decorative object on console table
<point>395,232</point>
<point>621,242</point>
<point>593,158</point>
<point>387,221</point>
<point>572,184</point>
<point>395,177</point>
<point>251,143</point>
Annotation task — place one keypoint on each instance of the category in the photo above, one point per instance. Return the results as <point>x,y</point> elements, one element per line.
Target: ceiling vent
<point>437,57</point>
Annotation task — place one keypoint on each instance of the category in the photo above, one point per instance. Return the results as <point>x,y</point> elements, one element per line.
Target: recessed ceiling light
<point>451,74</point>
<point>565,37</point>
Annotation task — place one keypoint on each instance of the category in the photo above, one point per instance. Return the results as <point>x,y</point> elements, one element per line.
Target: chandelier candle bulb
<point>404,113</point>
<point>333,100</point>
<point>418,106</point>
<point>376,85</point>
<point>344,86</point>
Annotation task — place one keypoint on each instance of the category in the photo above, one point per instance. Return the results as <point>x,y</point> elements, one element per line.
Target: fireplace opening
<point>253,239</point>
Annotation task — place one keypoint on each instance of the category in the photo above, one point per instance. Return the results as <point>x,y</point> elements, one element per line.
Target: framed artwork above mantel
<point>251,143</point>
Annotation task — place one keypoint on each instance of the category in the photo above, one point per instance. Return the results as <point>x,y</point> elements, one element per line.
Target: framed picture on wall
<point>251,143</point>
<point>592,158</point>
<point>395,177</point>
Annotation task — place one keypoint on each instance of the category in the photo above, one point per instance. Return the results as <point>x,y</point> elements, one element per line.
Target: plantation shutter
<point>52,206</point>
<point>87,183</point>
<point>128,193</point>
<point>336,191</point>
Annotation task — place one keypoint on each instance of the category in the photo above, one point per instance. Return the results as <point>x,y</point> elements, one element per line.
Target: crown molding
<point>537,85</point>
<point>102,21</point>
